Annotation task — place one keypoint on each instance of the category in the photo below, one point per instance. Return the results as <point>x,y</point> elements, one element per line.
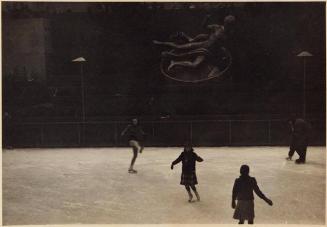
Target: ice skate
<point>197,196</point>
<point>298,161</point>
<point>132,171</point>
<point>289,158</point>
<point>190,197</point>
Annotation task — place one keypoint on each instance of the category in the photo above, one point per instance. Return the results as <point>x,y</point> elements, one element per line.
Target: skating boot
<point>299,161</point>
<point>289,158</point>
<point>190,197</point>
<point>132,171</point>
<point>197,196</point>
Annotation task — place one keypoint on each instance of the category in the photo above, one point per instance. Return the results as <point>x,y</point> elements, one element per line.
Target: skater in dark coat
<point>299,139</point>
<point>135,136</point>
<point>188,178</point>
<point>243,192</point>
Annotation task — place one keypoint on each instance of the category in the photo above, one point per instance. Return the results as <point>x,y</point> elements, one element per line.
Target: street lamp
<point>304,55</point>
<point>81,60</point>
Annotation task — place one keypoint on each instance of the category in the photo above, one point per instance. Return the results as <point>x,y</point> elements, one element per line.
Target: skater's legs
<point>191,64</point>
<point>135,151</point>
<point>241,221</point>
<point>291,152</point>
<point>250,221</point>
<point>141,148</point>
<point>292,147</point>
<point>134,143</point>
<point>299,152</point>
<point>195,192</point>
<point>134,157</point>
<point>187,187</point>
<point>302,154</point>
<point>193,188</point>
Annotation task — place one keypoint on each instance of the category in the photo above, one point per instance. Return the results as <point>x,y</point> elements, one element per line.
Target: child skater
<point>135,136</point>
<point>188,177</point>
<point>243,192</point>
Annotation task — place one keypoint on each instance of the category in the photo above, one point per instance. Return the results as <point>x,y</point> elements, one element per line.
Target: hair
<point>292,120</point>
<point>135,118</point>
<point>188,144</point>
<point>229,19</point>
<point>244,170</point>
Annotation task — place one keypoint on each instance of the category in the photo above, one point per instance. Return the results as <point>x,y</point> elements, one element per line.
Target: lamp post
<point>81,60</point>
<point>304,55</point>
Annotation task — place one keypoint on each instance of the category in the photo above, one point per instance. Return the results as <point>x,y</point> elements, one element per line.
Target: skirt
<point>189,179</point>
<point>244,210</point>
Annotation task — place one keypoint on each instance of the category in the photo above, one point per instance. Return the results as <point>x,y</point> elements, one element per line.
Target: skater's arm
<point>199,159</point>
<point>142,132</point>
<point>257,190</point>
<point>260,194</point>
<point>125,130</point>
<point>200,37</point>
<point>185,36</point>
<point>234,194</point>
<point>235,190</point>
<point>179,159</point>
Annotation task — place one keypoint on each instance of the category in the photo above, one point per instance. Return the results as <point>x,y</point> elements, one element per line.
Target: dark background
<point>123,78</point>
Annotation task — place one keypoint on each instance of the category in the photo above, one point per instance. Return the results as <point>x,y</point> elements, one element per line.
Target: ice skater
<point>188,178</point>
<point>243,192</point>
<point>299,139</point>
<point>135,138</point>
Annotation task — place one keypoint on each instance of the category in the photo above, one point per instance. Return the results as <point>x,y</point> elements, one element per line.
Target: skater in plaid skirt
<point>188,177</point>
<point>243,192</point>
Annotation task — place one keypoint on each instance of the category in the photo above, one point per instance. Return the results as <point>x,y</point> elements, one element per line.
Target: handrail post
<point>230,132</point>
<point>191,132</point>
<point>269,132</point>
<point>79,134</point>
<point>42,134</point>
<point>116,134</point>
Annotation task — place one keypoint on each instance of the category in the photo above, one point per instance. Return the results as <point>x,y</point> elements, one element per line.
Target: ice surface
<point>92,186</point>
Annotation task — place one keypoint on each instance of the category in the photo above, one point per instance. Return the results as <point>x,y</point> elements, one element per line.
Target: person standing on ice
<point>299,139</point>
<point>188,178</point>
<point>135,136</point>
<point>243,192</point>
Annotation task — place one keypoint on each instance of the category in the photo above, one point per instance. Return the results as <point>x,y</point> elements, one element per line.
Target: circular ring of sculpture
<point>214,65</point>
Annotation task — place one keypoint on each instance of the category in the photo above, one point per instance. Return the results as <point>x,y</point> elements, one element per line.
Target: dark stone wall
<point>123,79</point>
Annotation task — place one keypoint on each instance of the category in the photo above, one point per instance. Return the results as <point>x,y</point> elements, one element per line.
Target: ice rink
<point>92,186</point>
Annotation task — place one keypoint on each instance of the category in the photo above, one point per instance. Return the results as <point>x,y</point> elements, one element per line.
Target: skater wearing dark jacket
<point>188,178</point>
<point>243,192</point>
<point>300,130</point>
<point>135,137</point>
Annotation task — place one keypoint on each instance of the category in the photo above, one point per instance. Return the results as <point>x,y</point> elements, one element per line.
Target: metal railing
<point>159,133</point>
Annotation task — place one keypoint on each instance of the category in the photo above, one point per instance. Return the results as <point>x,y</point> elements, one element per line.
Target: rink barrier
<point>273,132</point>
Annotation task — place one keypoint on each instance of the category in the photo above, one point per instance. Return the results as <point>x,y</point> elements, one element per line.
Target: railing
<point>159,133</point>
